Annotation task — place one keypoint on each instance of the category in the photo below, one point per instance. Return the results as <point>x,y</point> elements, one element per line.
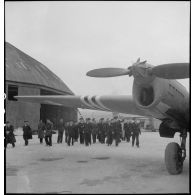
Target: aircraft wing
<point>110,103</point>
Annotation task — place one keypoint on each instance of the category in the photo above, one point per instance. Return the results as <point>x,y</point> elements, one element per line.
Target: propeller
<point>171,71</point>
<point>109,72</point>
<point>166,71</point>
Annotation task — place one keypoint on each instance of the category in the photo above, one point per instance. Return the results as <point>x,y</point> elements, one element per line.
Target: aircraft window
<point>12,91</point>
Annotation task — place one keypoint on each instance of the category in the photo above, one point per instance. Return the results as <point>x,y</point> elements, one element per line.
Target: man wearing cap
<point>87,132</point>
<point>81,127</point>
<point>66,131</point>
<point>60,131</point>
<point>94,130</point>
<point>117,130</point>
<point>127,128</point>
<point>136,132</point>
<point>109,133</point>
<point>27,132</point>
<point>71,133</point>
<point>76,131</point>
<point>9,137</point>
<point>48,133</point>
<point>41,129</point>
<point>102,131</point>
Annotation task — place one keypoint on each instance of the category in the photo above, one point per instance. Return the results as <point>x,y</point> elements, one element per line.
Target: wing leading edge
<point>118,103</point>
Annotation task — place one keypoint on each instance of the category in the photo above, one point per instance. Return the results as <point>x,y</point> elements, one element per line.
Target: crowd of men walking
<point>85,131</point>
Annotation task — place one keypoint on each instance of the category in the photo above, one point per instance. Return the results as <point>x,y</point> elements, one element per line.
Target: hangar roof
<point>20,67</point>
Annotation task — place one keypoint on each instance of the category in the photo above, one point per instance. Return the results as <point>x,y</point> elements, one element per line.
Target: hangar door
<point>53,112</point>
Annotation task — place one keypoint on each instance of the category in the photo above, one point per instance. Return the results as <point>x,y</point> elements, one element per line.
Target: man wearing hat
<point>87,132</point>
<point>109,132</point>
<point>9,137</point>
<point>136,132</point>
<point>94,130</point>
<point>48,133</point>
<point>102,131</point>
<point>81,127</point>
<point>41,129</point>
<point>60,131</point>
<point>117,130</point>
<point>127,128</point>
<point>27,132</point>
<point>71,133</point>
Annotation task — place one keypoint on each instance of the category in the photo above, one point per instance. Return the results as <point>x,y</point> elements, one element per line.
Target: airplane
<point>155,94</point>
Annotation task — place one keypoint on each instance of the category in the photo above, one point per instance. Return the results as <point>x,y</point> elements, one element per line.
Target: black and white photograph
<point>97,97</point>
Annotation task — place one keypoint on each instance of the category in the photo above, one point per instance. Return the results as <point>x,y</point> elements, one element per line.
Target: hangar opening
<point>53,112</point>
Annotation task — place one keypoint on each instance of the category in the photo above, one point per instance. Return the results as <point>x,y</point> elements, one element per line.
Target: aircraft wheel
<point>173,158</point>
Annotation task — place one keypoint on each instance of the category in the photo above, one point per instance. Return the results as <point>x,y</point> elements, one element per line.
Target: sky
<point>71,38</point>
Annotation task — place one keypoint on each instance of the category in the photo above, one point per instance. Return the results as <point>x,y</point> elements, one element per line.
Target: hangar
<point>26,76</point>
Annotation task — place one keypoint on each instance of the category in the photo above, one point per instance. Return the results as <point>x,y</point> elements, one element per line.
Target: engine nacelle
<point>148,95</point>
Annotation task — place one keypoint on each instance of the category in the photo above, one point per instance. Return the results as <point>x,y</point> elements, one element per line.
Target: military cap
<point>115,117</point>
<point>81,118</point>
<point>25,121</point>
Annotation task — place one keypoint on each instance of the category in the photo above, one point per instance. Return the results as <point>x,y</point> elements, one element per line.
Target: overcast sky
<point>71,38</point>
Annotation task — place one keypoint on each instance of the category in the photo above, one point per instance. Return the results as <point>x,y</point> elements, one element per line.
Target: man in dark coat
<point>94,130</point>
<point>81,127</point>
<point>87,132</point>
<point>9,137</point>
<point>60,131</point>
<point>48,133</point>
<point>117,130</point>
<point>76,131</point>
<point>27,132</point>
<point>102,131</point>
<point>128,129</point>
<point>41,129</point>
<point>136,132</point>
<point>66,131</point>
<point>71,133</point>
<point>109,133</point>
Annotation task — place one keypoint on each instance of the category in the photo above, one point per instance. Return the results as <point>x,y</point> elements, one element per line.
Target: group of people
<point>10,137</point>
<point>85,131</point>
<point>89,131</point>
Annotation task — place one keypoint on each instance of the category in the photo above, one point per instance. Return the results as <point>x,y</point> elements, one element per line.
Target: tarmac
<point>98,168</point>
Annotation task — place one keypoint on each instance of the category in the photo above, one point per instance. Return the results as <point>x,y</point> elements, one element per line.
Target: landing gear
<point>175,155</point>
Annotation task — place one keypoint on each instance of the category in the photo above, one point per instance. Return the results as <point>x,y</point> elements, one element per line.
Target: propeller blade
<point>172,71</point>
<point>109,72</point>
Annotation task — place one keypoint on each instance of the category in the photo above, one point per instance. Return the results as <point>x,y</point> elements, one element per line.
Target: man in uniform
<point>136,133</point>
<point>76,131</point>
<point>41,129</point>
<point>81,127</point>
<point>94,130</point>
<point>60,131</point>
<point>71,133</point>
<point>9,137</point>
<point>109,133</point>
<point>87,132</point>
<point>117,130</point>
<point>27,132</point>
<point>101,131</point>
<point>66,131</point>
<point>48,133</point>
<point>127,128</point>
